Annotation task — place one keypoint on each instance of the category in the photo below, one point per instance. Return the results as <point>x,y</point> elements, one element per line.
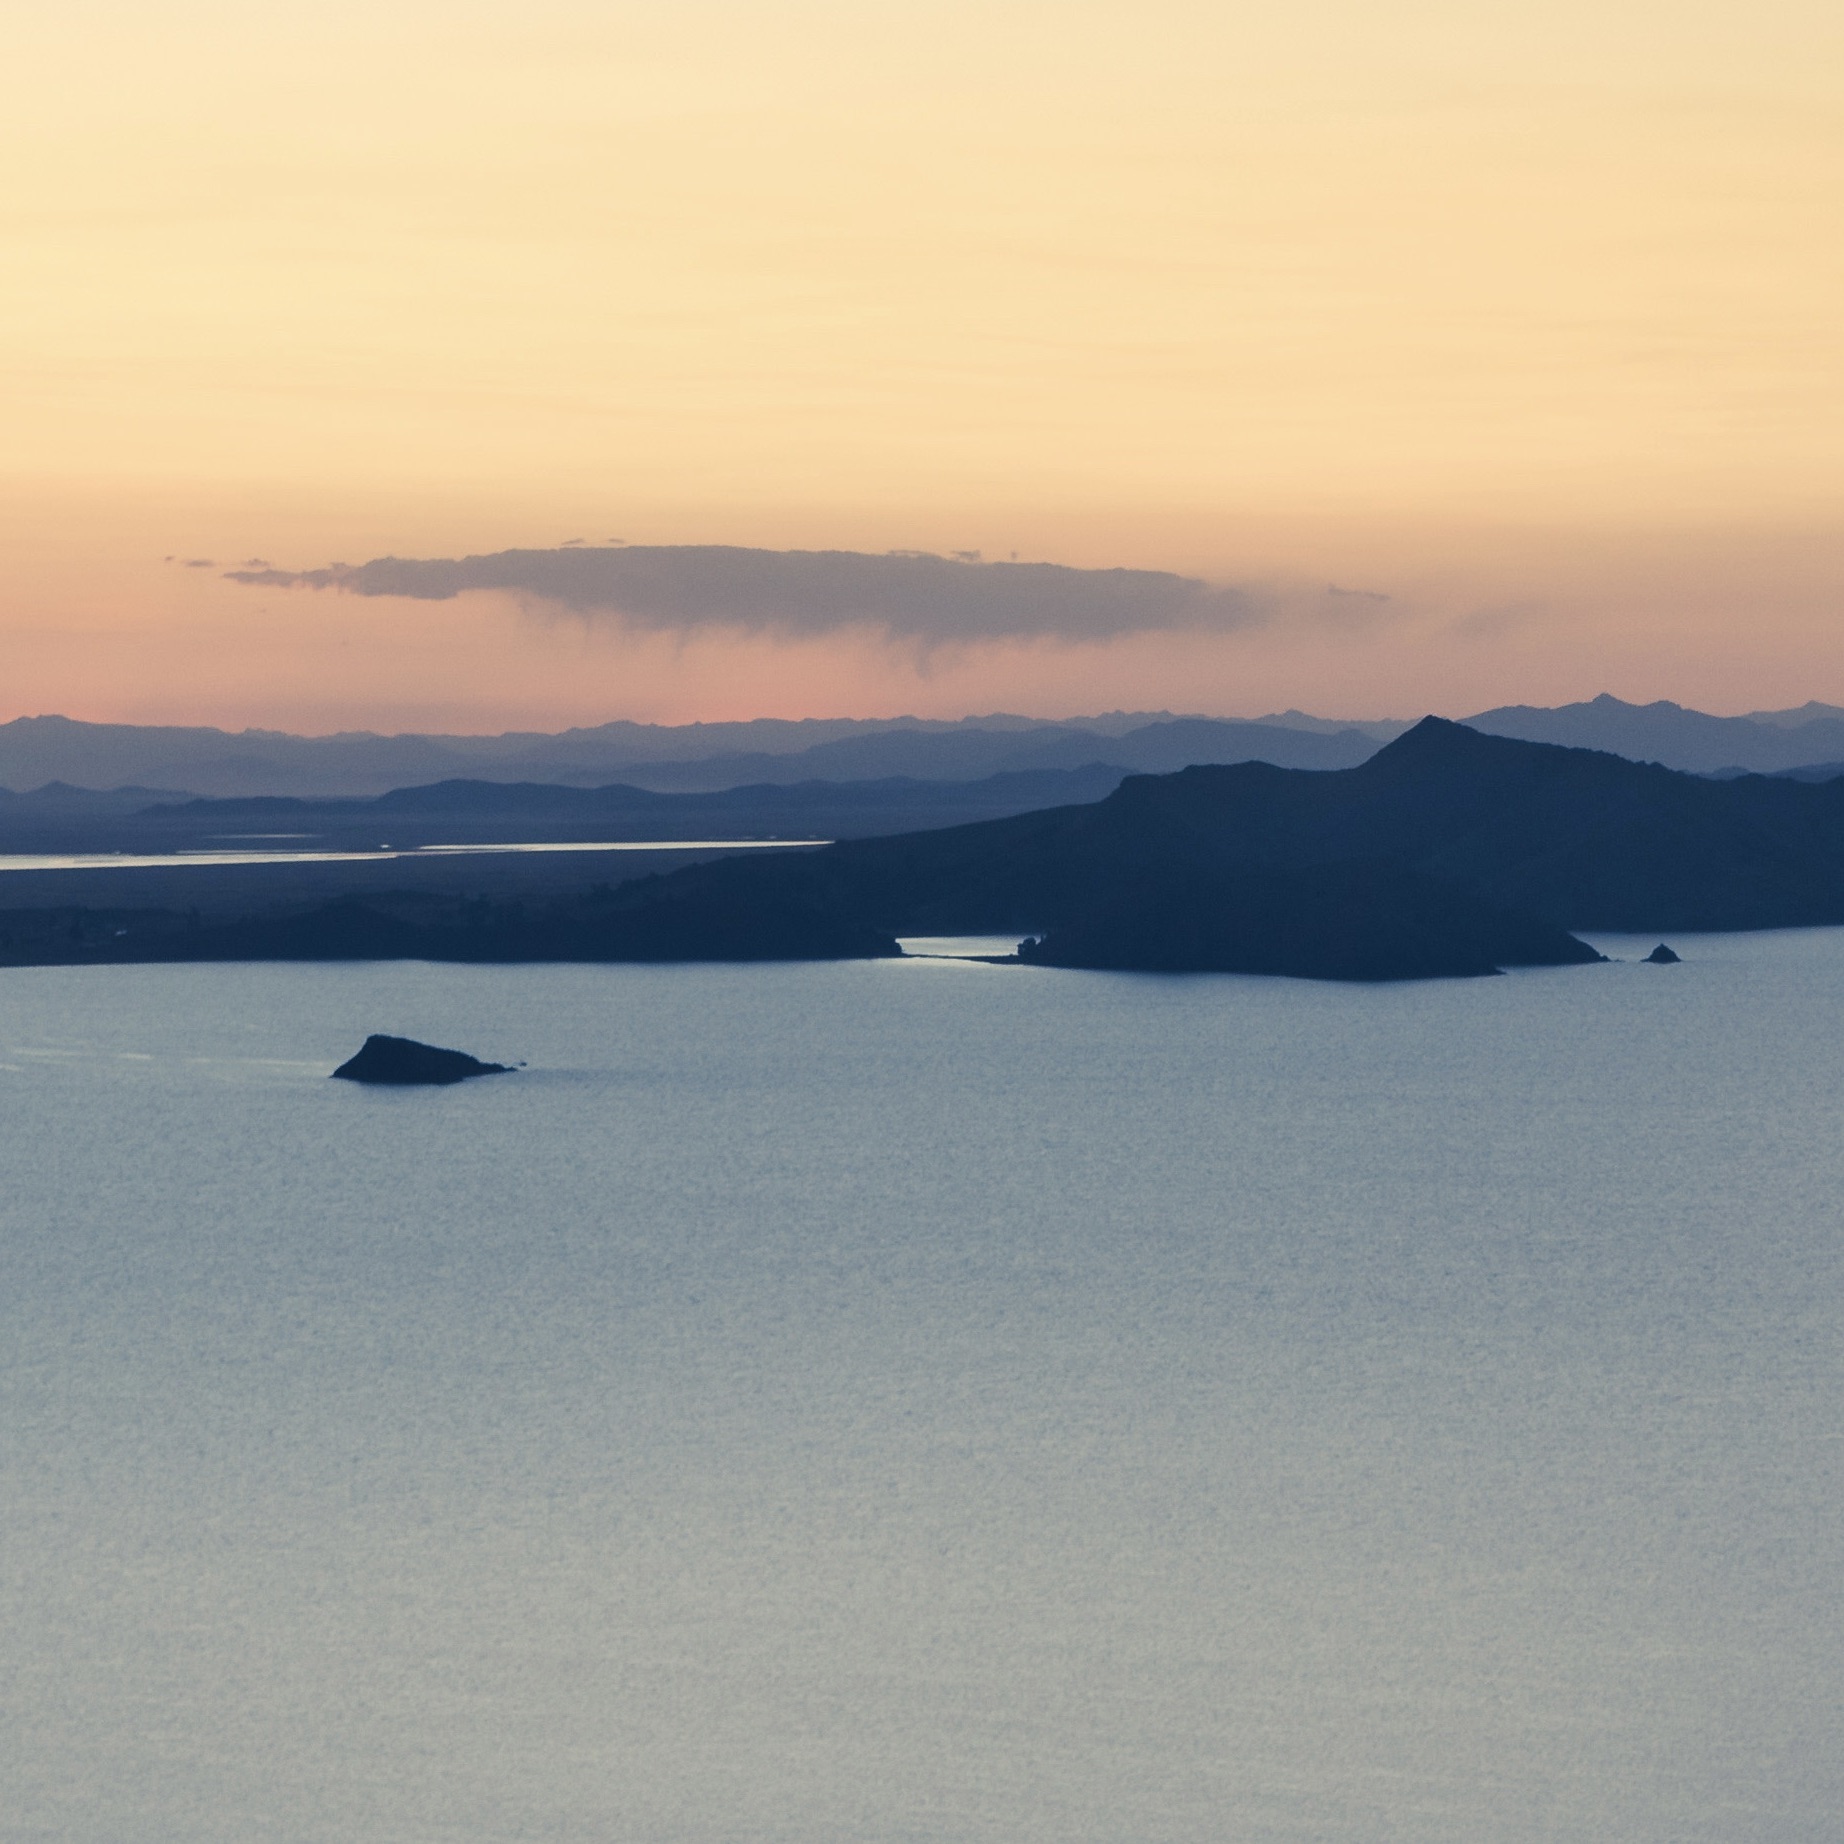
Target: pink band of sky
<point>1530,321</point>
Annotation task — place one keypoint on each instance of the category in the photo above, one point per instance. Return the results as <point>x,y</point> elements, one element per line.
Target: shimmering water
<point>925,1401</point>
<point>218,860</point>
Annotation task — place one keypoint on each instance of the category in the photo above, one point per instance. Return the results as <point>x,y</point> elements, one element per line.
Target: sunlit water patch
<point>167,861</point>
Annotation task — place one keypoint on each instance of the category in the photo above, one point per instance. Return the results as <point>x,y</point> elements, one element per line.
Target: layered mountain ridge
<point>706,758</point>
<point>1447,852</point>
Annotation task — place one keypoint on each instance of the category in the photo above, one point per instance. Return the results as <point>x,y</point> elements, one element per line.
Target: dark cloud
<point>910,595</point>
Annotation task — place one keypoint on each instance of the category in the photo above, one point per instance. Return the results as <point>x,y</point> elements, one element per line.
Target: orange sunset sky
<point>1527,321</point>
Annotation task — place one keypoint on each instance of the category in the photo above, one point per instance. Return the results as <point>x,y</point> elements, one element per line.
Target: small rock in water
<point>1662,956</point>
<point>404,1060</point>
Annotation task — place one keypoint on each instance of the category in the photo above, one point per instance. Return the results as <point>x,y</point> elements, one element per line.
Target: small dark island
<point>1662,956</point>
<point>403,1061</point>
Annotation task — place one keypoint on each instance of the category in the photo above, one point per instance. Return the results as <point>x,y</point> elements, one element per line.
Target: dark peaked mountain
<point>1576,838</point>
<point>1445,851</point>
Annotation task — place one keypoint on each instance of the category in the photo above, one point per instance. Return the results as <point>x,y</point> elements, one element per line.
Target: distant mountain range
<point>708,758</point>
<point>1764,743</point>
<point>1447,852</point>
<point>688,758</point>
<point>972,754</point>
<point>507,812</point>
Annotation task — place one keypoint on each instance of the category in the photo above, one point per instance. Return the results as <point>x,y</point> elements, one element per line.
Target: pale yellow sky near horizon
<point>1530,318</point>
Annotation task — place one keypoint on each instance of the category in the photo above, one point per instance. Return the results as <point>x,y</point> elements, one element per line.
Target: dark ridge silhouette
<point>1662,956</point>
<point>403,1061</point>
<point>1447,851</point>
<point>1570,837</point>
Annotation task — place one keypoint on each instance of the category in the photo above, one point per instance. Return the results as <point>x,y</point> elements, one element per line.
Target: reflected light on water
<point>132,861</point>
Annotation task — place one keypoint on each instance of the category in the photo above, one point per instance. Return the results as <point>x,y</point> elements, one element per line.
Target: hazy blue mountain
<point>1797,715</point>
<point>1159,749</point>
<point>1678,738</point>
<point>468,811</point>
<point>666,758</point>
<point>1383,729</point>
<point>1812,771</point>
<point>972,754</point>
<point>36,750</point>
<point>58,799</point>
<point>710,757</point>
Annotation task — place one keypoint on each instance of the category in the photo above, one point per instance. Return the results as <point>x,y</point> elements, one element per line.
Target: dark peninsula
<point>1376,921</point>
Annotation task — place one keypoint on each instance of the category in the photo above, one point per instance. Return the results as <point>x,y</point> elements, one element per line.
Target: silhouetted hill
<point>1570,838</point>
<point>1447,851</point>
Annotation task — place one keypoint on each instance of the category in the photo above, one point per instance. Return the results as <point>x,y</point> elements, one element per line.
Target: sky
<point>1389,357</point>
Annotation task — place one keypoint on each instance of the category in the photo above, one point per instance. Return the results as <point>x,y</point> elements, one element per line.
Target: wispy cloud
<point>1497,621</point>
<point>911,596</point>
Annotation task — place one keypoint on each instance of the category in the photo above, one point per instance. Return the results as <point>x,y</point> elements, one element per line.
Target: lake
<point>924,1401</point>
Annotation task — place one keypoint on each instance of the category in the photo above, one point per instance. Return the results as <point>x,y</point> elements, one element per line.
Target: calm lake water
<point>925,1401</point>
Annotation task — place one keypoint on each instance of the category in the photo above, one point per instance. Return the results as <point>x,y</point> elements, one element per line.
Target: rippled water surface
<point>926,1401</point>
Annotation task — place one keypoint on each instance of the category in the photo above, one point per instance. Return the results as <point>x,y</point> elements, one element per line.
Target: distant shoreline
<point>207,860</point>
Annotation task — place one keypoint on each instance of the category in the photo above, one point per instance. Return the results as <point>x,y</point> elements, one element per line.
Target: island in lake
<point>401,1062</point>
